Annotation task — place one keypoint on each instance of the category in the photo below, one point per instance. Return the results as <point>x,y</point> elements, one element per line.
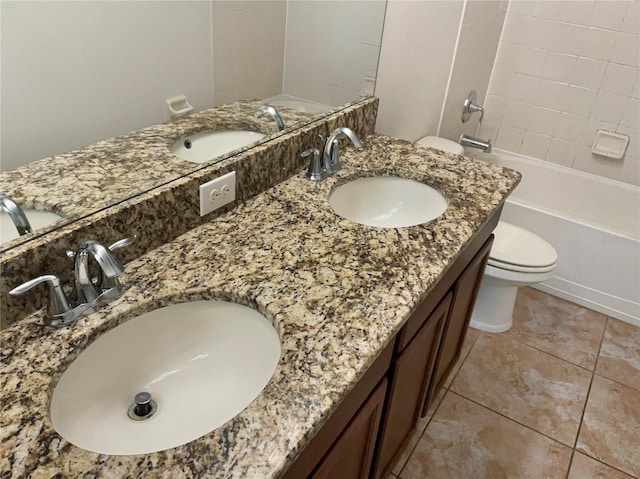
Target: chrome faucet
<point>315,171</point>
<point>16,214</point>
<point>272,112</point>
<point>110,267</point>
<point>330,157</point>
<point>88,296</point>
<point>466,140</point>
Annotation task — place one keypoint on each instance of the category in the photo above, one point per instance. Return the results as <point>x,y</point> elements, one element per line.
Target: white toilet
<point>441,144</point>
<point>517,258</point>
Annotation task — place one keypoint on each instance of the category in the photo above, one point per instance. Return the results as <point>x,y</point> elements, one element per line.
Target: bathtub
<point>301,104</point>
<point>593,223</point>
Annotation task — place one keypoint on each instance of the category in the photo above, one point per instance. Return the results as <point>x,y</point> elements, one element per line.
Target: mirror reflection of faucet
<point>272,112</point>
<point>87,295</point>
<point>16,214</point>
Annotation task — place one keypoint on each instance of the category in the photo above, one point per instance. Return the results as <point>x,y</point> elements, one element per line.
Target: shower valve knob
<point>470,107</point>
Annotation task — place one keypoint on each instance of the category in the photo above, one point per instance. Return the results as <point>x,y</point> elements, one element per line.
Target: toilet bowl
<point>517,258</point>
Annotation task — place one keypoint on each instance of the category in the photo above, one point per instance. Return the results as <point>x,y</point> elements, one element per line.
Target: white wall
<point>248,40</point>
<point>418,44</point>
<point>331,47</point>
<point>565,69</point>
<point>77,72</point>
<point>475,55</point>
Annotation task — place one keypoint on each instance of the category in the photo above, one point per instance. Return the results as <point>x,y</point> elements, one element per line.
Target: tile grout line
<point>558,357</point>
<point>615,381</point>
<point>446,389</point>
<point>510,419</point>
<point>584,409</point>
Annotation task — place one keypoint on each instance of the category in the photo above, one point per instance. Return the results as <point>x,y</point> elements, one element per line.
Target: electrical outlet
<point>217,193</point>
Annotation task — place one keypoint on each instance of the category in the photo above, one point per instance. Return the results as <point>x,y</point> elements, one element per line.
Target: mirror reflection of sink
<point>387,202</point>
<point>202,363</point>
<point>207,145</point>
<point>37,219</point>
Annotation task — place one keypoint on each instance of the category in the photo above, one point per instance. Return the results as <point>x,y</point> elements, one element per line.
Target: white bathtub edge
<point>628,311</point>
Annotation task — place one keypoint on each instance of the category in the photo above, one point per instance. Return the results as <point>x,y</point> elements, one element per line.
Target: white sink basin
<point>202,362</point>
<point>387,202</point>
<point>207,145</point>
<point>37,219</point>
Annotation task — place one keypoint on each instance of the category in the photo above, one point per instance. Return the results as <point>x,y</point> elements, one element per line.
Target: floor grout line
<point>510,419</point>
<point>572,448</point>
<point>555,356</point>
<point>437,406</point>
<point>584,408</point>
<point>616,381</point>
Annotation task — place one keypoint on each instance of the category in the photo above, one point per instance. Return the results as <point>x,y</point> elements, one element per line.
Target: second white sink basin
<point>387,202</point>
<point>37,219</point>
<point>202,363</point>
<point>207,145</point>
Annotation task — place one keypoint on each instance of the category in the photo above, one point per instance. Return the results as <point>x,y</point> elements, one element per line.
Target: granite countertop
<point>336,291</point>
<point>82,181</point>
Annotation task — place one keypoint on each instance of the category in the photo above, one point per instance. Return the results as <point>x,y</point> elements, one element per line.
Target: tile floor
<point>557,396</point>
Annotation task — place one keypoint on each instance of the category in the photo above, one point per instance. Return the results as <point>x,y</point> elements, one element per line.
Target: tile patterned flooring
<point>557,396</point>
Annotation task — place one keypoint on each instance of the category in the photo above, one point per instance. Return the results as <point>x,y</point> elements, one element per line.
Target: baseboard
<point>604,303</point>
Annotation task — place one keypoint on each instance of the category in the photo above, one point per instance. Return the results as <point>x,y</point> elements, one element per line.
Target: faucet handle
<point>57,304</point>
<point>107,282</point>
<point>470,107</point>
<point>123,242</point>
<point>113,246</point>
<point>314,172</point>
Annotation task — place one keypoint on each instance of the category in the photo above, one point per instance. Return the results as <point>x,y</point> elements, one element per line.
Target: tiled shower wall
<point>565,69</point>
<point>319,50</point>
<point>331,48</point>
<point>475,56</point>
<point>248,49</point>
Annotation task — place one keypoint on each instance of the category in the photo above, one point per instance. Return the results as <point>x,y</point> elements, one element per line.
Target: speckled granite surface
<point>82,181</point>
<point>167,211</point>
<point>336,292</point>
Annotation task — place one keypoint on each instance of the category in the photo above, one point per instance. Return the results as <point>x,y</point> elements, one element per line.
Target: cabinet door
<point>351,455</point>
<point>465,292</point>
<point>410,381</point>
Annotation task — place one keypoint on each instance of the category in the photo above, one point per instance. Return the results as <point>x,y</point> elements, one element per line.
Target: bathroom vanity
<point>371,321</point>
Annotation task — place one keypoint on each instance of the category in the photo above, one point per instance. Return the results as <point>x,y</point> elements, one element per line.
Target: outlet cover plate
<point>217,193</point>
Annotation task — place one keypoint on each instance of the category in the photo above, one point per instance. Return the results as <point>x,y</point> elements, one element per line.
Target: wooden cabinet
<point>366,434</point>
<point>465,292</point>
<point>353,424</point>
<point>410,379</point>
<point>427,348</point>
<point>351,455</point>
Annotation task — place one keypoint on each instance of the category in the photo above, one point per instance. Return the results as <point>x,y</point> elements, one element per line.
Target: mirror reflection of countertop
<point>336,292</point>
<point>83,181</point>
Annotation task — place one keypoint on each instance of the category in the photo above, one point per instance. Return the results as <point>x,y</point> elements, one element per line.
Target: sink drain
<point>143,407</point>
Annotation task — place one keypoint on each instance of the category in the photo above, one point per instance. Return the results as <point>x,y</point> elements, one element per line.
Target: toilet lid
<point>441,144</point>
<point>517,247</point>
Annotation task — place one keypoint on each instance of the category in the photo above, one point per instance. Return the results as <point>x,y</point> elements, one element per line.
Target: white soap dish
<point>610,144</point>
<point>178,106</point>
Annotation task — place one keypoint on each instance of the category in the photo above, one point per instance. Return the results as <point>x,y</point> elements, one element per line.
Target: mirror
<point>74,73</point>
